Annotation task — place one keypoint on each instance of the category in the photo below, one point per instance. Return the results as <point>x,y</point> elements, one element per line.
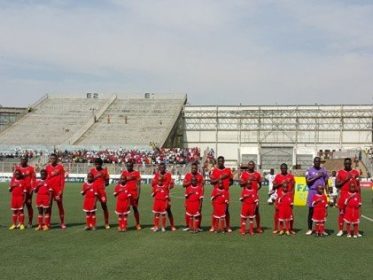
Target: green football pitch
<point>108,254</point>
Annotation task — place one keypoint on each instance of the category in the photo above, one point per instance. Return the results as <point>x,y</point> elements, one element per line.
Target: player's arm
<point>339,182</point>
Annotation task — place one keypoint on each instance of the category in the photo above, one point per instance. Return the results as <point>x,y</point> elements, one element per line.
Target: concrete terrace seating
<point>52,122</point>
<point>148,121</point>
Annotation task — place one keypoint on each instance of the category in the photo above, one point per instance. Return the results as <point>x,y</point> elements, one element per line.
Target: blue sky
<point>218,52</point>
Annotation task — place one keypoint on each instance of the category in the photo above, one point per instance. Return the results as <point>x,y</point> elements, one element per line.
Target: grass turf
<point>76,254</point>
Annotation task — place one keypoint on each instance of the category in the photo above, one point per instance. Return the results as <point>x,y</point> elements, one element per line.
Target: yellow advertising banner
<point>301,191</point>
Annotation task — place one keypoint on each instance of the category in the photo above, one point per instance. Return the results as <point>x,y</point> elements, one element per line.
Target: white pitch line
<point>367,218</point>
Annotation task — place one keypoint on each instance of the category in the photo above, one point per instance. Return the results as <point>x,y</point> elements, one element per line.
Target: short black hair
<point>221,157</point>
<point>195,164</point>
<point>284,165</point>
<point>99,161</point>
<point>53,155</point>
<point>348,159</point>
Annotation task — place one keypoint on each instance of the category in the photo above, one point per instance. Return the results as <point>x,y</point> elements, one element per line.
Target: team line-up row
<point>51,184</point>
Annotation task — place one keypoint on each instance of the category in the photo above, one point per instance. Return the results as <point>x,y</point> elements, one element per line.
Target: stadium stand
<point>137,121</point>
<point>52,122</point>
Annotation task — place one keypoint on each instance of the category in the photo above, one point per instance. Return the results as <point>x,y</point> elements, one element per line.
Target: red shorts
<point>219,211</point>
<point>134,199</point>
<point>248,211</point>
<point>101,195</point>
<point>352,216</point>
<point>192,208</point>
<point>122,208</point>
<point>160,206</point>
<point>43,201</point>
<point>16,203</point>
<point>285,214</point>
<point>319,215</point>
<point>89,204</point>
<point>57,192</point>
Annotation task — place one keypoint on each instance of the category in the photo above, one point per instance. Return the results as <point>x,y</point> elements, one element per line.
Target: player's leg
<point>164,222</point>
<point>30,210</point>
<point>156,222</point>
<point>257,220</point>
<point>47,218</point>
<point>309,221</point>
<point>275,221</point>
<point>243,225</point>
<point>187,222</point>
<point>93,220</point>
<point>251,226</point>
<point>136,214</point>
<point>125,222</point>
<point>356,231</point>
<point>21,219</point>
<point>14,220</point>
<point>348,227</point>
<point>106,213</point>
<point>227,220</point>
<point>171,217</point>
<point>61,211</point>
<point>40,218</point>
<point>341,221</point>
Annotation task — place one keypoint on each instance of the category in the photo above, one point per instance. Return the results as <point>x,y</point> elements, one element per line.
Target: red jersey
<point>320,204</point>
<point>353,203</point>
<point>122,192</point>
<point>167,180</point>
<point>249,196</point>
<point>194,193</point>
<point>284,204</point>
<point>100,177</point>
<point>219,196</point>
<point>42,188</point>
<point>160,192</point>
<point>287,179</point>
<point>29,175</point>
<point>17,188</point>
<point>133,182</point>
<point>217,173</point>
<point>88,190</point>
<point>189,176</point>
<point>342,175</point>
<point>56,176</point>
<point>253,178</point>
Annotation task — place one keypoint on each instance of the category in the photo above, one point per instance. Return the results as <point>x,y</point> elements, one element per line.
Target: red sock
<point>348,229</point>
<point>156,221</point>
<point>190,223</point>
<point>164,221</point>
<point>251,227</point>
<point>137,218</point>
<point>287,224</point>
<point>317,228</point>
<point>196,224</point>
<point>243,225</point>
<point>322,227</point>
<point>216,224</point>
<point>21,218</point>
<point>223,224</point>
<point>187,220</point>
<point>356,229</point>
<point>14,218</point>
<point>125,223</point>
<point>47,220</point>
<point>40,220</point>
<point>340,221</point>
<point>88,220</point>
<point>120,222</point>
<point>93,220</point>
